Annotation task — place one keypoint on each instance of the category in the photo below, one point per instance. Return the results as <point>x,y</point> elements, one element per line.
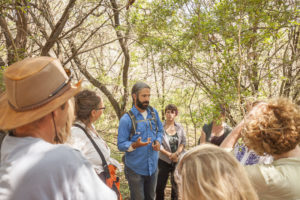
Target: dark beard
<point>142,105</point>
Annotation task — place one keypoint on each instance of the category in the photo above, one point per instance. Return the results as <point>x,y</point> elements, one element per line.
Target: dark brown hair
<point>137,87</point>
<point>171,107</point>
<point>85,102</point>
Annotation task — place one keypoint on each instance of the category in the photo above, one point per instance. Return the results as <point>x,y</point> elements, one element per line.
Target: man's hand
<point>156,145</point>
<point>139,143</point>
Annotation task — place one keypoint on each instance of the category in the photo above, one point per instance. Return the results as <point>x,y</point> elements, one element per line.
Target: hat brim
<point>11,119</point>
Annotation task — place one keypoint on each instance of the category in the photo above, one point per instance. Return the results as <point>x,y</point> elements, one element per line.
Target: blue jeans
<point>141,187</point>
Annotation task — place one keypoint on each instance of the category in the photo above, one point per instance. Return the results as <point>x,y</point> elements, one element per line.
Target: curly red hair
<point>273,127</point>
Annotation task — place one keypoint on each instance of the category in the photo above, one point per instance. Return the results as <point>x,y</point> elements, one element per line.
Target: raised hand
<point>139,143</point>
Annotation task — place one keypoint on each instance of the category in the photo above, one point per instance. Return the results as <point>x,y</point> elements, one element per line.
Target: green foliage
<point>223,47</point>
<point>2,87</point>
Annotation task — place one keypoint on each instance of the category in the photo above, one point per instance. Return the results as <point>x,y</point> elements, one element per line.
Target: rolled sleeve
<point>123,133</point>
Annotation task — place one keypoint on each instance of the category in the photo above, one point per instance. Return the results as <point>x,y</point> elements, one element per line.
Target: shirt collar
<point>136,112</point>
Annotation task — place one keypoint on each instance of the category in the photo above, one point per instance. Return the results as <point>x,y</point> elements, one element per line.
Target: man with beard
<point>140,134</point>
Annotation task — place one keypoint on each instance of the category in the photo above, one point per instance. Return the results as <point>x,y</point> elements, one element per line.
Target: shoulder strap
<point>105,166</point>
<point>227,130</point>
<point>2,135</point>
<point>154,117</point>
<point>133,121</point>
<point>207,129</point>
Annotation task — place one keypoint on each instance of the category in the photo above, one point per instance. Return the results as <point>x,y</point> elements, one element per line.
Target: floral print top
<point>248,157</point>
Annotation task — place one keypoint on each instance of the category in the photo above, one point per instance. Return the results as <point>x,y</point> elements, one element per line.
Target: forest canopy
<point>194,53</point>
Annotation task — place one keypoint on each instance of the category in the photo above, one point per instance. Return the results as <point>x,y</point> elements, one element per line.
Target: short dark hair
<point>171,107</point>
<point>85,102</point>
<point>137,87</point>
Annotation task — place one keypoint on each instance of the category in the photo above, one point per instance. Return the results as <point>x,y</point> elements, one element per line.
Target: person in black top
<point>216,131</point>
<point>173,143</point>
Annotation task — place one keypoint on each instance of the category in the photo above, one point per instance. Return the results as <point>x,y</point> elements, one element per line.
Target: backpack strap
<point>207,128</point>
<point>105,166</point>
<point>154,117</point>
<point>2,136</point>
<point>133,121</point>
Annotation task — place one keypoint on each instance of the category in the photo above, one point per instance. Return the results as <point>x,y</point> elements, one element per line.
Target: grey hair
<point>137,87</point>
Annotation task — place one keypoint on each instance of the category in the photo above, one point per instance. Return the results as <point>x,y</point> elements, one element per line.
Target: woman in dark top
<point>216,131</point>
<point>173,143</point>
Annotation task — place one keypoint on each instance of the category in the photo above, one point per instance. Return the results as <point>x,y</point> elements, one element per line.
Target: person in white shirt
<point>88,108</point>
<point>34,110</point>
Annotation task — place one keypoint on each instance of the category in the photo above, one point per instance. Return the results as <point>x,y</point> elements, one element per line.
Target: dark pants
<point>164,169</point>
<point>141,187</point>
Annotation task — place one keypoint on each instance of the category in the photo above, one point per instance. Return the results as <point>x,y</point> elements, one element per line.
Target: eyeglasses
<point>103,108</point>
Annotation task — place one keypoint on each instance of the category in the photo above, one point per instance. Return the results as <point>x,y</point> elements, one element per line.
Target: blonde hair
<point>273,127</point>
<point>209,172</point>
<point>65,133</point>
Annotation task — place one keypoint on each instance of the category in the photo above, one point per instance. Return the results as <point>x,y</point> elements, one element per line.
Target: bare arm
<point>165,152</point>
<point>232,138</point>
<point>202,137</point>
<point>235,134</point>
<point>180,149</point>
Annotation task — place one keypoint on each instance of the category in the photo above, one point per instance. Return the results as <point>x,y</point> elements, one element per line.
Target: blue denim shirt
<point>143,160</point>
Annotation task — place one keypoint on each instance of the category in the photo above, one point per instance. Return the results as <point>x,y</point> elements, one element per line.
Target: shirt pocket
<point>139,132</point>
<point>153,126</point>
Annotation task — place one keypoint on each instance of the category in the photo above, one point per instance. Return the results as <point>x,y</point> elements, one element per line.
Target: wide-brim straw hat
<point>34,88</point>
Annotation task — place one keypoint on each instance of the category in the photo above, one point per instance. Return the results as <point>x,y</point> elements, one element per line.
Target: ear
<point>93,113</point>
<point>55,112</point>
<point>134,97</point>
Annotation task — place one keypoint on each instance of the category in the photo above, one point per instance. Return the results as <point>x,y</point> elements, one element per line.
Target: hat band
<point>43,102</point>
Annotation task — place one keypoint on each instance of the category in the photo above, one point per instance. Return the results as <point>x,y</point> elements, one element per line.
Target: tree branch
<point>82,20</point>
<point>124,47</point>
<point>58,28</point>
<point>97,83</point>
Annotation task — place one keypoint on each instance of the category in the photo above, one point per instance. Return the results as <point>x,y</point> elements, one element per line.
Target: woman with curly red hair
<point>273,128</point>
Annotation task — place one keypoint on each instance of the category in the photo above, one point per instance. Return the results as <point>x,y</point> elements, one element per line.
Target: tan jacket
<point>278,180</point>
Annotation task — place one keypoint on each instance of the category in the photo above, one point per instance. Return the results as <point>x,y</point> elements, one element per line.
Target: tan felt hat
<point>34,88</point>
